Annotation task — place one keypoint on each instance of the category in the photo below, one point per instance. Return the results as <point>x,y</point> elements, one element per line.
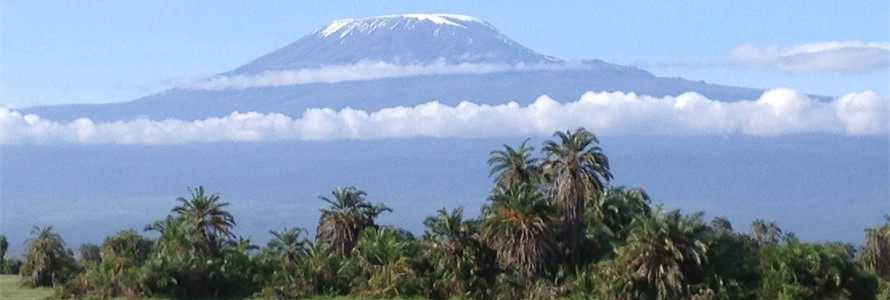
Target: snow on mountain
<point>398,39</point>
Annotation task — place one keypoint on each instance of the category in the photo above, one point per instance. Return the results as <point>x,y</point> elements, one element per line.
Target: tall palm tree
<point>578,172</point>
<point>513,166</point>
<point>207,216</point>
<point>346,217</point>
<point>519,226</point>
<point>288,243</point>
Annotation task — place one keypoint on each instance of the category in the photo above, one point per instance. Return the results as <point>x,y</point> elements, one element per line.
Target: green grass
<point>11,290</point>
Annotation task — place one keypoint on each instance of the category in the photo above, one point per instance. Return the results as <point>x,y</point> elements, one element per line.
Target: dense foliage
<point>553,227</point>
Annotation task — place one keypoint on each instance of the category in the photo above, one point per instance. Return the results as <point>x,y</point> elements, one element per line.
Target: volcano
<point>426,57</point>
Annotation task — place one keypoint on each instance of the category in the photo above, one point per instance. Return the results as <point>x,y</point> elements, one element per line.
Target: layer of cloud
<point>776,112</point>
<point>826,56</point>
<point>357,72</point>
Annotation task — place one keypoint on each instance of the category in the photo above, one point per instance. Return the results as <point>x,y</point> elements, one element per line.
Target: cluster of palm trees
<point>553,227</point>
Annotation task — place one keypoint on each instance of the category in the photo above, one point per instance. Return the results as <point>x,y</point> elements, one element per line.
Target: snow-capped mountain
<point>400,40</point>
<point>426,41</point>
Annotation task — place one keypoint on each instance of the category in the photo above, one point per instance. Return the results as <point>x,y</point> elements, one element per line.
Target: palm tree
<point>4,245</point>
<point>207,216</point>
<point>519,226</point>
<point>346,217</point>
<point>513,166</point>
<point>578,172</point>
<point>449,233</point>
<point>721,223</point>
<point>90,252</point>
<point>619,207</point>
<point>47,262</point>
<point>876,256</point>
<point>651,263</point>
<point>385,254</point>
<point>288,243</point>
<point>765,232</point>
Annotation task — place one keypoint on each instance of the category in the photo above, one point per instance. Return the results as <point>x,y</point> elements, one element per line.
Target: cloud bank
<point>776,112</point>
<point>358,72</point>
<point>825,56</point>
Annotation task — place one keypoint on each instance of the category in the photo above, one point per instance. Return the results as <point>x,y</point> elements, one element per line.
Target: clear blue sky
<point>55,52</point>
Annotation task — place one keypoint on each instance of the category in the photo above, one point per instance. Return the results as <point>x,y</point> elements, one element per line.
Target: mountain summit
<point>401,40</point>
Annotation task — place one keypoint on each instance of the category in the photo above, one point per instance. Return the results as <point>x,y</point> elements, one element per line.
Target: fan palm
<point>207,216</point>
<point>578,172</point>
<point>513,166</point>
<point>347,215</point>
<point>519,226</point>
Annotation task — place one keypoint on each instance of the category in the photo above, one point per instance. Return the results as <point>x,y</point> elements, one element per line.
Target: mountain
<point>400,40</point>
<point>434,41</point>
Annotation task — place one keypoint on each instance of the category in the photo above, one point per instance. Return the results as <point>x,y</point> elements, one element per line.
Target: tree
<point>90,252</point>
<point>288,243</point>
<point>207,216</point>
<point>519,226</point>
<point>765,232</point>
<point>876,255</point>
<point>4,245</point>
<point>661,252</point>
<point>47,262</point>
<point>386,255</point>
<point>513,166</point>
<point>578,172</point>
<point>721,223</point>
<point>346,217</point>
<point>797,270</point>
<point>619,207</point>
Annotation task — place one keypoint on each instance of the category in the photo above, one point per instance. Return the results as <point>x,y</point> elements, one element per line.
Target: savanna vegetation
<point>552,228</point>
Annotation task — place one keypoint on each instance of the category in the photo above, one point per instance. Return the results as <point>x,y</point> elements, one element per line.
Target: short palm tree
<point>652,261</point>
<point>513,166</point>
<point>765,232</point>
<point>578,171</point>
<point>619,207</point>
<point>876,256</point>
<point>450,233</point>
<point>206,214</point>
<point>47,262</point>
<point>288,243</point>
<point>519,226</point>
<point>347,215</point>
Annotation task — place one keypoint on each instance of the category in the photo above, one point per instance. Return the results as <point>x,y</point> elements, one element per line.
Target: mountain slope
<point>403,41</point>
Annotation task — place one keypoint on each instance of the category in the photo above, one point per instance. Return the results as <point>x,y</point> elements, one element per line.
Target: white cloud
<point>776,112</point>
<point>357,72</point>
<point>825,56</point>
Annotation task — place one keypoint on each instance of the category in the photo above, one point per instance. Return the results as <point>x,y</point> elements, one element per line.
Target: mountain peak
<point>344,27</point>
<point>401,40</point>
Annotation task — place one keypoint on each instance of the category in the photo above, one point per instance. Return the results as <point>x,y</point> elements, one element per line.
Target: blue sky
<point>109,51</point>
